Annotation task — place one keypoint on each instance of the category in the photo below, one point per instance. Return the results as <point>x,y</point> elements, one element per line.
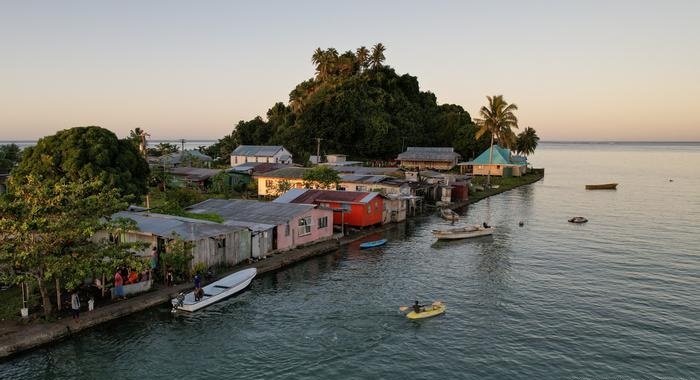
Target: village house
<point>503,163</point>
<point>260,153</point>
<point>351,208</point>
<point>274,226</point>
<point>379,183</point>
<point>191,158</point>
<point>192,177</point>
<point>270,183</point>
<point>437,158</point>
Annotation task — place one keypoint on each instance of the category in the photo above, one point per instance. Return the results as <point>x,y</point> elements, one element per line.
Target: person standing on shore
<point>75,305</point>
<point>118,285</point>
<point>91,304</point>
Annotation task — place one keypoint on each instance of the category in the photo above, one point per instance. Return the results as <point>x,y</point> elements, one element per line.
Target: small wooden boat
<point>603,186</point>
<point>448,214</point>
<point>216,291</point>
<point>463,232</point>
<point>578,219</point>
<point>436,308</point>
<point>372,244</point>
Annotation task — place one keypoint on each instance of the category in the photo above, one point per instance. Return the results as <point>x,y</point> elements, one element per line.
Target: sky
<point>578,70</point>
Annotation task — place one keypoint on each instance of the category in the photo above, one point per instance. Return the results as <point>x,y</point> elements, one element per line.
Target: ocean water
<point>617,297</point>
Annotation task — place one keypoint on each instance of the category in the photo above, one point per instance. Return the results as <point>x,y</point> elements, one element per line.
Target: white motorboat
<point>216,291</point>
<point>463,232</point>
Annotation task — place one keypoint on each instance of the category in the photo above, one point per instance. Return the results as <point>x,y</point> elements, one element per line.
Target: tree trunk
<point>45,300</point>
<point>58,295</point>
<point>488,176</point>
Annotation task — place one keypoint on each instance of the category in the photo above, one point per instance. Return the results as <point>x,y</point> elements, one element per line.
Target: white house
<point>276,154</point>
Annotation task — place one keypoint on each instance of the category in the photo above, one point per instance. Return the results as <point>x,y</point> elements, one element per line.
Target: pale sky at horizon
<point>587,70</point>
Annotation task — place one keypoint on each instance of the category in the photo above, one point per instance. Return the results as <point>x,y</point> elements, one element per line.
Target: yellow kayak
<point>429,311</point>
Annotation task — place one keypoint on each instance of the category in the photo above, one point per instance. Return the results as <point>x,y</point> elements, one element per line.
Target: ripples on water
<point>617,296</point>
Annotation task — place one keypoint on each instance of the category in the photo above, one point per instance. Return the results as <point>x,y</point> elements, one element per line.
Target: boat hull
<point>430,311</point>
<point>604,186</point>
<point>448,214</point>
<point>372,244</point>
<point>217,290</point>
<point>463,233</point>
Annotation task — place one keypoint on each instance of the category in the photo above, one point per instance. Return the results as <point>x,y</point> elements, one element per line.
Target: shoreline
<point>35,335</point>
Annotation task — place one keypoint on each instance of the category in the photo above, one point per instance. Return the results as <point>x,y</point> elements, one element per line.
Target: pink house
<point>274,226</point>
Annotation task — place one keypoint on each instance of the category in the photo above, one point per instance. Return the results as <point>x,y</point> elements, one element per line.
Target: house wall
<point>394,210</point>
<point>377,187</point>
<point>358,216</point>
<point>497,170</point>
<point>421,165</point>
<point>267,186</point>
<point>297,235</point>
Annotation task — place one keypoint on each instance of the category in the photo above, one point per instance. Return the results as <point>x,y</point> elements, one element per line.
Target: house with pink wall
<point>273,226</point>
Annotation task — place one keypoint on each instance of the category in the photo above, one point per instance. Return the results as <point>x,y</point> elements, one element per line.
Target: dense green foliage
<point>85,154</point>
<point>9,157</point>
<point>359,107</point>
<point>321,177</point>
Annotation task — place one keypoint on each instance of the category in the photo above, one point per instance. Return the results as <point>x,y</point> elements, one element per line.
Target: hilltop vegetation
<point>360,107</point>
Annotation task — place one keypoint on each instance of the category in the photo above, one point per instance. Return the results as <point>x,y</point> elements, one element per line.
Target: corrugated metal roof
<point>256,150</point>
<point>501,156</point>
<point>250,211</point>
<point>292,172</point>
<point>415,153</point>
<point>308,196</point>
<point>167,225</point>
<point>194,174</point>
<point>361,178</point>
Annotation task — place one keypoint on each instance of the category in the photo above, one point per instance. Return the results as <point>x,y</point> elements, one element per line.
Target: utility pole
<point>318,150</point>
<point>182,145</point>
<point>143,147</point>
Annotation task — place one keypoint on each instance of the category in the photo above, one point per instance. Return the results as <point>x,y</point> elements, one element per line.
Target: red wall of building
<point>358,215</point>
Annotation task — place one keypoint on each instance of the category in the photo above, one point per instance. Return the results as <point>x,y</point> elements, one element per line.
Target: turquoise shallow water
<point>618,297</point>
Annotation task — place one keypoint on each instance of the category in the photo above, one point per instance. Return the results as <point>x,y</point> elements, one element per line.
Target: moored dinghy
<point>463,232</point>
<point>449,214</point>
<point>372,244</point>
<point>603,186</point>
<point>216,291</point>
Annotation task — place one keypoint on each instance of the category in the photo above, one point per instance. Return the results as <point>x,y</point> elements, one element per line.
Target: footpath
<point>16,338</point>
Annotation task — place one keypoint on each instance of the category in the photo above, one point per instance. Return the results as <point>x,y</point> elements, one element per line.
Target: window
<point>286,230</point>
<point>322,222</point>
<point>324,204</point>
<point>361,188</point>
<point>345,207</point>
<point>304,226</point>
<point>369,209</point>
<point>269,183</point>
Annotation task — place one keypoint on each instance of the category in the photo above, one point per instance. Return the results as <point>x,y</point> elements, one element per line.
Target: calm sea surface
<point>618,297</point>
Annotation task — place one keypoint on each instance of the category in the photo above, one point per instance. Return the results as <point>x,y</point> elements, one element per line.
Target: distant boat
<point>578,219</point>
<point>448,214</point>
<point>463,232</point>
<point>603,186</point>
<point>216,291</point>
<point>372,244</point>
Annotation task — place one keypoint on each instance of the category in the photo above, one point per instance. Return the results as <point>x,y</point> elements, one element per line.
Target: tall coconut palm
<point>319,58</point>
<point>498,119</point>
<point>377,56</point>
<point>526,142</point>
<point>362,55</point>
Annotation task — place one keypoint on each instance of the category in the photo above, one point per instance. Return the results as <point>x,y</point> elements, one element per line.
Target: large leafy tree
<point>527,141</point>
<point>85,154</point>
<point>10,155</point>
<point>497,119</point>
<point>47,233</point>
<point>321,177</point>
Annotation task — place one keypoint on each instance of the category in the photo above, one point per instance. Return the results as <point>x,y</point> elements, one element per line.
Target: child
<point>91,304</point>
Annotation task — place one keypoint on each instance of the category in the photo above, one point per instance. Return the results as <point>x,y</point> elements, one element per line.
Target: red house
<point>352,208</point>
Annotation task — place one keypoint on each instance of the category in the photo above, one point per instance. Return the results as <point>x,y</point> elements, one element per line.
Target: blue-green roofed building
<point>503,163</point>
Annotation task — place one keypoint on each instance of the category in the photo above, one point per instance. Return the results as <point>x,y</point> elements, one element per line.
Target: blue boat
<point>372,244</point>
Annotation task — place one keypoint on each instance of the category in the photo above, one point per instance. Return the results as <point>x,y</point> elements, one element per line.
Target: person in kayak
<point>417,308</point>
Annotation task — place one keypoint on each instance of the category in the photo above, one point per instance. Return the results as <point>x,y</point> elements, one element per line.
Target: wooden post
<point>58,294</point>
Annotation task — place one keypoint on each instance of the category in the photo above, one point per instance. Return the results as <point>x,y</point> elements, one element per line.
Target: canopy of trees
<point>85,154</point>
<point>9,156</point>
<point>359,106</point>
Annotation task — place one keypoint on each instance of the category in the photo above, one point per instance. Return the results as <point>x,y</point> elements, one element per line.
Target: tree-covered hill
<point>360,107</point>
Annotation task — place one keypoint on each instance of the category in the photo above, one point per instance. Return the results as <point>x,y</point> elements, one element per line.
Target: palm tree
<point>319,59</point>
<point>362,55</point>
<point>498,119</point>
<point>527,140</point>
<point>377,56</point>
